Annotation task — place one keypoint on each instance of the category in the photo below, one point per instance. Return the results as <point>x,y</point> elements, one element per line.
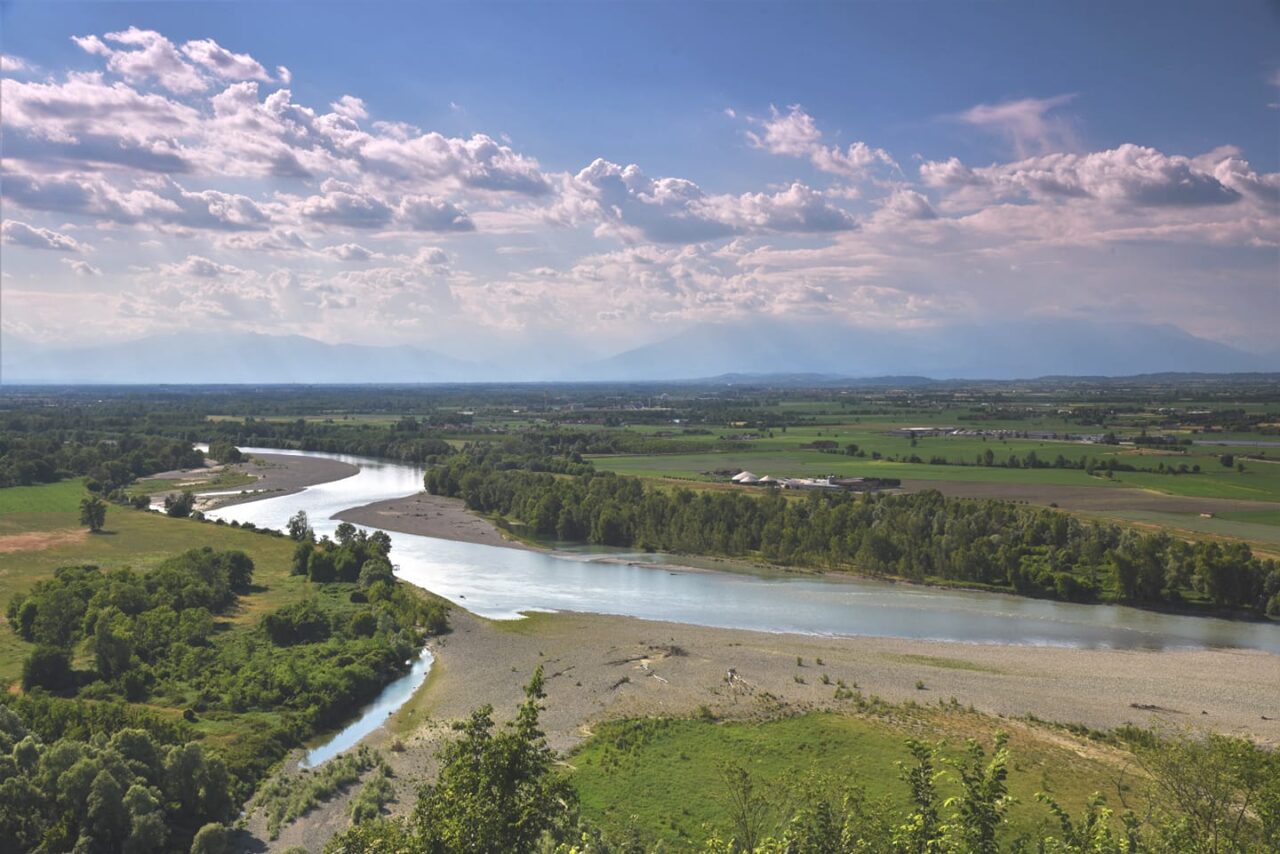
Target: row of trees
<point>33,457</point>
<point>920,536</point>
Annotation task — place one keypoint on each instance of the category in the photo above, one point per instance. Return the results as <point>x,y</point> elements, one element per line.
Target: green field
<point>664,777</point>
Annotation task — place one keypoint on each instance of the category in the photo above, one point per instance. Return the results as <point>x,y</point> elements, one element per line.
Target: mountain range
<point>1005,350</point>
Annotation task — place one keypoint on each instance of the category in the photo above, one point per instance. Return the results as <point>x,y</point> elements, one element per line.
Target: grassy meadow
<point>664,777</point>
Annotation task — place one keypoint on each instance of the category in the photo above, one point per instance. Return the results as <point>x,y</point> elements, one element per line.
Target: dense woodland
<point>921,536</point>
<point>82,778</point>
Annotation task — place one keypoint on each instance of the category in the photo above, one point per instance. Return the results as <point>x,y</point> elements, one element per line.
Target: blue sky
<point>882,163</point>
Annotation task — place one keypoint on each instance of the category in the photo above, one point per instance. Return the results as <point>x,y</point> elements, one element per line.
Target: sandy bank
<point>601,667</point>
<point>274,475</point>
<point>430,516</point>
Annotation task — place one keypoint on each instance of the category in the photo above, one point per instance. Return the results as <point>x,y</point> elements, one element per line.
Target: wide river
<point>501,583</point>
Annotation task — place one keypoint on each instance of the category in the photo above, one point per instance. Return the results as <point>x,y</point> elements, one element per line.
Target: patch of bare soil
<point>430,516</point>
<point>34,541</point>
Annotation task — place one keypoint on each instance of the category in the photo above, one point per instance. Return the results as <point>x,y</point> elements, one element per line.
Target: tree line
<point>921,536</point>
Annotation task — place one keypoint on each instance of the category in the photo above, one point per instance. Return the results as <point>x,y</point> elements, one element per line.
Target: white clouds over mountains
<point>203,186</point>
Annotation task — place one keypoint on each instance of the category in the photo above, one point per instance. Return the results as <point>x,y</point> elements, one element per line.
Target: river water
<point>500,583</point>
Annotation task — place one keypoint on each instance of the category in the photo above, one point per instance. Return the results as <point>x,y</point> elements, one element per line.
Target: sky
<point>576,179</point>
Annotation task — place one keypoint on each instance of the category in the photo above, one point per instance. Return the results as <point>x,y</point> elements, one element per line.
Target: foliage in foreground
<point>498,792</point>
<point>288,797</point>
<point>123,792</point>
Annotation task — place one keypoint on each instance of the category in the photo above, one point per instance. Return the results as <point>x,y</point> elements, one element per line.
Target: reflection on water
<point>395,695</point>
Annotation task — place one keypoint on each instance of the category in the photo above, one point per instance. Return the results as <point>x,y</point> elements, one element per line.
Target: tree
<point>225,452</point>
<point>749,811</point>
<point>47,667</point>
<point>93,513</point>
<point>112,649</point>
<point>300,528</point>
<point>213,838</point>
<point>179,506</point>
<point>495,792</point>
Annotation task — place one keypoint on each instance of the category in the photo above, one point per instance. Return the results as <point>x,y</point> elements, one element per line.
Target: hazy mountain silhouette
<point>230,358</point>
<point>1006,350</point>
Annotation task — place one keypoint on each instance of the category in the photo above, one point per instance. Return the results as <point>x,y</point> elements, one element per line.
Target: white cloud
<point>351,252</point>
<point>907,205</point>
<point>1026,123</point>
<point>201,267</point>
<point>1126,175</point>
<point>350,107</point>
<point>796,134</point>
<point>34,237</point>
<point>12,64</point>
<point>347,206</point>
<point>427,213</point>
<point>629,204</point>
<point>81,268</point>
<point>146,56</point>
<point>221,62</point>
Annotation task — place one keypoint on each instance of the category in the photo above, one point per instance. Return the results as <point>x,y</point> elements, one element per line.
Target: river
<point>502,583</point>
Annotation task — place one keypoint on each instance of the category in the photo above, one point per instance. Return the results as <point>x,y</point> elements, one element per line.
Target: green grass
<point>662,776</point>
<point>61,497</point>
<point>945,663</point>
<point>225,479</point>
<point>1219,526</point>
<point>1254,517</point>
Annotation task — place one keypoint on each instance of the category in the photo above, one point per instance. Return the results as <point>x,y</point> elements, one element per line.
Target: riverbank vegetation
<point>921,536</point>
<point>217,655</point>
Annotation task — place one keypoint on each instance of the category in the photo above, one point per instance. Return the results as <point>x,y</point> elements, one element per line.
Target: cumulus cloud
<point>195,152</point>
<point>795,133</point>
<point>350,107</point>
<point>201,267</point>
<point>216,59</point>
<point>1026,123</point>
<point>908,205</point>
<point>344,205</point>
<point>351,252</point>
<point>1127,175</point>
<point>629,204</point>
<point>144,56</point>
<point>87,120</point>
<point>426,213</point>
<point>34,237</point>
<point>12,64</point>
<point>81,268</point>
